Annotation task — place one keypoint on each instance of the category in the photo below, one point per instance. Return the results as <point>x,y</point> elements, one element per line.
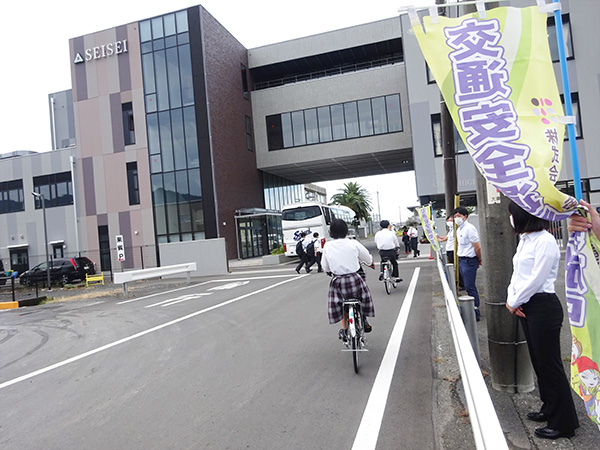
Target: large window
<point>11,196</point>
<point>133,186</point>
<point>171,127</point>
<point>249,137</point>
<point>367,117</point>
<point>552,40</point>
<point>128,128</point>
<point>436,131</point>
<point>56,189</point>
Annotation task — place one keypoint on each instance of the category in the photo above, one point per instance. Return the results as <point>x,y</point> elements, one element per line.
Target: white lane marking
<point>179,299</point>
<point>201,284</point>
<point>137,335</point>
<point>229,285</point>
<point>368,431</point>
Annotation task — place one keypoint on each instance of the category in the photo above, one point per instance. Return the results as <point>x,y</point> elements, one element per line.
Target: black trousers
<point>391,255</point>
<point>544,316</point>
<point>414,243</point>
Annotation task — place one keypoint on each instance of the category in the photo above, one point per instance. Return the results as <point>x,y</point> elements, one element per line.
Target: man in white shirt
<point>469,253</point>
<point>413,234</point>
<point>387,243</point>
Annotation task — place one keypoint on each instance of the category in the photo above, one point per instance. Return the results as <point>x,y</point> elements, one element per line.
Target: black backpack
<point>299,248</point>
<point>310,248</point>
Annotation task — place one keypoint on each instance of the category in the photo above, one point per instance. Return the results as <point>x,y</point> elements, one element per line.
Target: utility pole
<point>511,369</point>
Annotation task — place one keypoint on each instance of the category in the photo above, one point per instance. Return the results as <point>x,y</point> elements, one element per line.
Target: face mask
<point>459,221</point>
<point>512,221</point>
<point>449,224</point>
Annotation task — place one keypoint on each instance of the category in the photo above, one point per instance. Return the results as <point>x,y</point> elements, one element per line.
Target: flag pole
<point>568,104</point>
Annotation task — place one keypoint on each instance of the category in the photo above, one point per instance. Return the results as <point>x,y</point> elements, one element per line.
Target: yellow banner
<point>429,227</point>
<point>497,79</point>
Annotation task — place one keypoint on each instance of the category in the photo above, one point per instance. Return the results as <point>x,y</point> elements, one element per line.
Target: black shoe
<point>380,277</point>
<point>368,327</point>
<point>343,335</point>
<point>477,314</point>
<point>298,271</point>
<point>320,271</point>
<point>549,433</point>
<point>398,280</point>
<point>537,416</point>
<point>308,270</point>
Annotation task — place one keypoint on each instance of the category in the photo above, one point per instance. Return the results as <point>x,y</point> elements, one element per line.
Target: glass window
<point>324,124</point>
<point>379,115</point>
<point>312,127</point>
<point>249,137</point>
<point>181,181</point>
<point>146,47</point>
<point>128,124</point>
<point>195,187</point>
<point>274,132</point>
<point>393,112</point>
<point>166,145</point>
<point>145,31</point>
<point>153,139</point>
<point>133,183</point>
<point>11,196</point>
<point>56,189</point>
<point>151,103</point>
<point>365,117</point>
<point>158,193</point>
<point>191,141</point>
<point>185,219</point>
<point>148,72</point>
<point>169,22</point>
<point>172,220</point>
<point>430,78</point>
<point>298,128</point>
<point>178,139</point>
<point>351,116</point>
<point>173,74</point>
<point>436,131</point>
<point>158,44</point>
<point>157,28</point>
<point>155,164</point>
<point>197,219</point>
<point>160,219</point>
<point>169,185</point>
<point>245,82</point>
<point>182,23</point>
<point>337,122</point>
<point>552,39</point>
<point>286,129</point>
<point>185,68</point>
<point>162,87</point>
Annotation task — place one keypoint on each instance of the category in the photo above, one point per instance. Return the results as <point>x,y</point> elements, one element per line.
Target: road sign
<point>120,248</point>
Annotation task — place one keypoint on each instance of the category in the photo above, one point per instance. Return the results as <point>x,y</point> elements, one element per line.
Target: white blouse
<point>342,256</point>
<point>535,267</point>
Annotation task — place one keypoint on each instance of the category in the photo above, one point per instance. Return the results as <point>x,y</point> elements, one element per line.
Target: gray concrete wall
<point>209,256</point>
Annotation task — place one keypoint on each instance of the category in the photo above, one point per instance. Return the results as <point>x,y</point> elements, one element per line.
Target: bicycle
<point>388,279</point>
<point>355,341</point>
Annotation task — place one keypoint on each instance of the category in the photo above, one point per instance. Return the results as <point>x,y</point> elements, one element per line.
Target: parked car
<point>2,274</point>
<point>64,271</point>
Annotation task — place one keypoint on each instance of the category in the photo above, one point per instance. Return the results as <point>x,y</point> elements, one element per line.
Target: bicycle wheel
<point>356,347</point>
<point>355,351</point>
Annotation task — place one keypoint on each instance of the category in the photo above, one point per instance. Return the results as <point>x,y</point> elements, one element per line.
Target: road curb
<point>29,302</point>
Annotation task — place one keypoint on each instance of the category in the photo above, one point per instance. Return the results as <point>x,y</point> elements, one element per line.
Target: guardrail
<point>154,272</point>
<point>484,420</point>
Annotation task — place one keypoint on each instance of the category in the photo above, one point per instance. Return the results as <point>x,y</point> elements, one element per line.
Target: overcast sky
<point>36,60</point>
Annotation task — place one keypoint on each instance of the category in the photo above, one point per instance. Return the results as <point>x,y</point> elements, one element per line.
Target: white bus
<point>311,217</point>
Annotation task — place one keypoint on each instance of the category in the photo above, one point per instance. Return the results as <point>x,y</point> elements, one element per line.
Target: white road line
<point>201,284</point>
<point>181,298</point>
<point>137,335</point>
<point>368,431</point>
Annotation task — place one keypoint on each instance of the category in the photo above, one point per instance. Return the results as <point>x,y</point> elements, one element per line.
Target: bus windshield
<point>301,213</point>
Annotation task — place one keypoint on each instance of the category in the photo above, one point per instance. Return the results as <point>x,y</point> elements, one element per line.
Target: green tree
<point>355,197</point>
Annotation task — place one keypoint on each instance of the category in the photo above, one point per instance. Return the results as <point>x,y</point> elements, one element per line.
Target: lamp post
<point>41,197</point>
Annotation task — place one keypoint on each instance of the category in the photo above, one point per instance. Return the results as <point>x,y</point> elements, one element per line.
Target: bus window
<point>301,213</point>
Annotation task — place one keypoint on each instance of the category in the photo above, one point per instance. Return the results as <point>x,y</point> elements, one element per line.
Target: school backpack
<point>310,248</point>
<point>299,248</point>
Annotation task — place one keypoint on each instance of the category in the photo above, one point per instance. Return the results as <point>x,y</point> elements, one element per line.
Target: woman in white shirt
<point>531,297</point>
<point>342,258</point>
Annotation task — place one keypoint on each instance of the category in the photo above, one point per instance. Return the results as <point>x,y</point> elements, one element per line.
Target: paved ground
<point>451,415</point>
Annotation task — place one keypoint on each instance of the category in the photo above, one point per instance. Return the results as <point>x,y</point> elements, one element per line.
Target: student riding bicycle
<point>342,258</point>
<point>387,243</point>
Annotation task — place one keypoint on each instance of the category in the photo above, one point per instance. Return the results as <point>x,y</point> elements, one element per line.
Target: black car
<point>64,271</point>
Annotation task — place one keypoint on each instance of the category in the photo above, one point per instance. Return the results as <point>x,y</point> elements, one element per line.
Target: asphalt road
<point>243,361</point>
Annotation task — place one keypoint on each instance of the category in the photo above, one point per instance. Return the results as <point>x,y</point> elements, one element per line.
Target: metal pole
<point>467,312</point>
<point>41,197</point>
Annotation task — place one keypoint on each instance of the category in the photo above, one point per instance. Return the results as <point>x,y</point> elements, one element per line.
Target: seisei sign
<point>101,51</point>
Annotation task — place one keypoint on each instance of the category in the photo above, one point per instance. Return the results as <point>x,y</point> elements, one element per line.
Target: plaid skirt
<point>343,287</point>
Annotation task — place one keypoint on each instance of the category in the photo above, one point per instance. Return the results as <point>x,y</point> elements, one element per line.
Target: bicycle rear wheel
<point>355,351</point>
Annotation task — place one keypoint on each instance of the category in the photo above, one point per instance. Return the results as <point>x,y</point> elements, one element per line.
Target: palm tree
<point>355,197</point>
